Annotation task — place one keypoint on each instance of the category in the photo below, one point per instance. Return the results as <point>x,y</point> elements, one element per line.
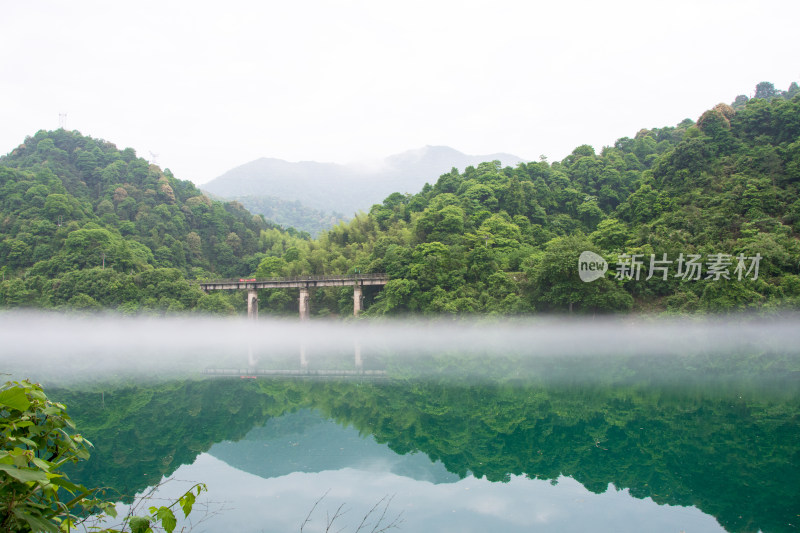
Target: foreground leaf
<point>23,474</point>
<point>15,398</point>
<point>167,518</point>
<point>140,524</point>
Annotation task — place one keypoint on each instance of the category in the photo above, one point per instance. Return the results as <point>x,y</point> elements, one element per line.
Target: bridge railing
<point>369,275</point>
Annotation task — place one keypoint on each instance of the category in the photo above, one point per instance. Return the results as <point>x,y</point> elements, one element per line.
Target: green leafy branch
<point>37,438</point>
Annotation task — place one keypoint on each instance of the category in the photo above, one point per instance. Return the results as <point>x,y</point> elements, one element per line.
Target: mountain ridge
<point>84,225</point>
<point>338,189</point>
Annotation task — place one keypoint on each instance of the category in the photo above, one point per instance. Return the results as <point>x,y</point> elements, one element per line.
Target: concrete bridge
<point>304,283</point>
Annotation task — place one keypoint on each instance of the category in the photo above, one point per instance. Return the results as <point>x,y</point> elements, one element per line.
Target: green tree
<point>395,296</point>
<point>432,265</point>
<point>57,205</point>
<point>556,285</point>
<point>36,440</point>
<point>270,267</point>
<point>766,90</point>
<point>611,234</point>
<point>589,212</point>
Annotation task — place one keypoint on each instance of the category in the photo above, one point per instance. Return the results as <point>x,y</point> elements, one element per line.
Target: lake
<point>517,426</point>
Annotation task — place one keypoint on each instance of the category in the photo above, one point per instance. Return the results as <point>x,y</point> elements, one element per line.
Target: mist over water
<point>696,416</point>
<point>79,345</point>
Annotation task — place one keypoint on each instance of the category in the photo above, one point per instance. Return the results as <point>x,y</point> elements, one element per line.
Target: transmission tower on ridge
<point>62,121</point>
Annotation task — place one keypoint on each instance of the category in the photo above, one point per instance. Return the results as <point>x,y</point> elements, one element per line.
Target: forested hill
<point>507,240</point>
<point>697,206</point>
<point>84,224</point>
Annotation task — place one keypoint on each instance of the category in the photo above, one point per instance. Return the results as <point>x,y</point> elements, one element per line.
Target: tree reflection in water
<point>727,444</point>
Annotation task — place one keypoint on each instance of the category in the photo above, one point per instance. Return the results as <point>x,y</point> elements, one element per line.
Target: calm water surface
<point>452,456</point>
<point>613,439</point>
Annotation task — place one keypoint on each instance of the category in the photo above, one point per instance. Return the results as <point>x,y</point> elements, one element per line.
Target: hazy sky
<point>209,86</point>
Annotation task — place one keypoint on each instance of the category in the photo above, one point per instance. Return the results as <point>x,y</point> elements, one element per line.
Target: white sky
<point>210,86</point>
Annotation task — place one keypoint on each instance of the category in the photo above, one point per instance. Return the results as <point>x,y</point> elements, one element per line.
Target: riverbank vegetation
<point>85,225</point>
<point>37,440</point>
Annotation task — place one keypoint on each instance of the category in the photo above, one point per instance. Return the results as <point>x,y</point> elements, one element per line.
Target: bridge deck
<point>302,282</point>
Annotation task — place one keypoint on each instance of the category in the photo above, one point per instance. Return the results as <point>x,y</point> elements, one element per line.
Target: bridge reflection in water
<point>252,373</point>
<point>252,370</point>
<point>304,283</point>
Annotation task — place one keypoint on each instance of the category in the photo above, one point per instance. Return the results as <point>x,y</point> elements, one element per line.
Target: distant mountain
<point>328,191</point>
<point>291,214</point>
<point>305,441</point>
<point>414,168</point>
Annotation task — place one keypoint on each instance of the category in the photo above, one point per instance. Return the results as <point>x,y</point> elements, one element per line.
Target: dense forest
<point>85,225</point>
<point>507,240</point>
<point>291,214</point>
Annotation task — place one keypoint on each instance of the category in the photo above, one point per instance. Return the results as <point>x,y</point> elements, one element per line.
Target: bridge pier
<point>252,304</point>
<point>304,283</point>
<point>303,300</point>
<point>357,299</point>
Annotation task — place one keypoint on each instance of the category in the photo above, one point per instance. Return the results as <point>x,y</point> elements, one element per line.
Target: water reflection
<point>306,441</point>
<point>468,505</point>
<point>732,453</point>
<point>674,415</point>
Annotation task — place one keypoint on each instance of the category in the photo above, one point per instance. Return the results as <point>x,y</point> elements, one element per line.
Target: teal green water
<point>620,452</point>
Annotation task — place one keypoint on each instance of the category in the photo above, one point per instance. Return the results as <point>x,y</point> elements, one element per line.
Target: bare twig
<point>380,525</point>
<point>395,522</point>
<point>336,515</point>
<point>102,522</point>
<point>308,516</point>
<point>376,528</point>
<point>369,513</point>
<point>207,513</point>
